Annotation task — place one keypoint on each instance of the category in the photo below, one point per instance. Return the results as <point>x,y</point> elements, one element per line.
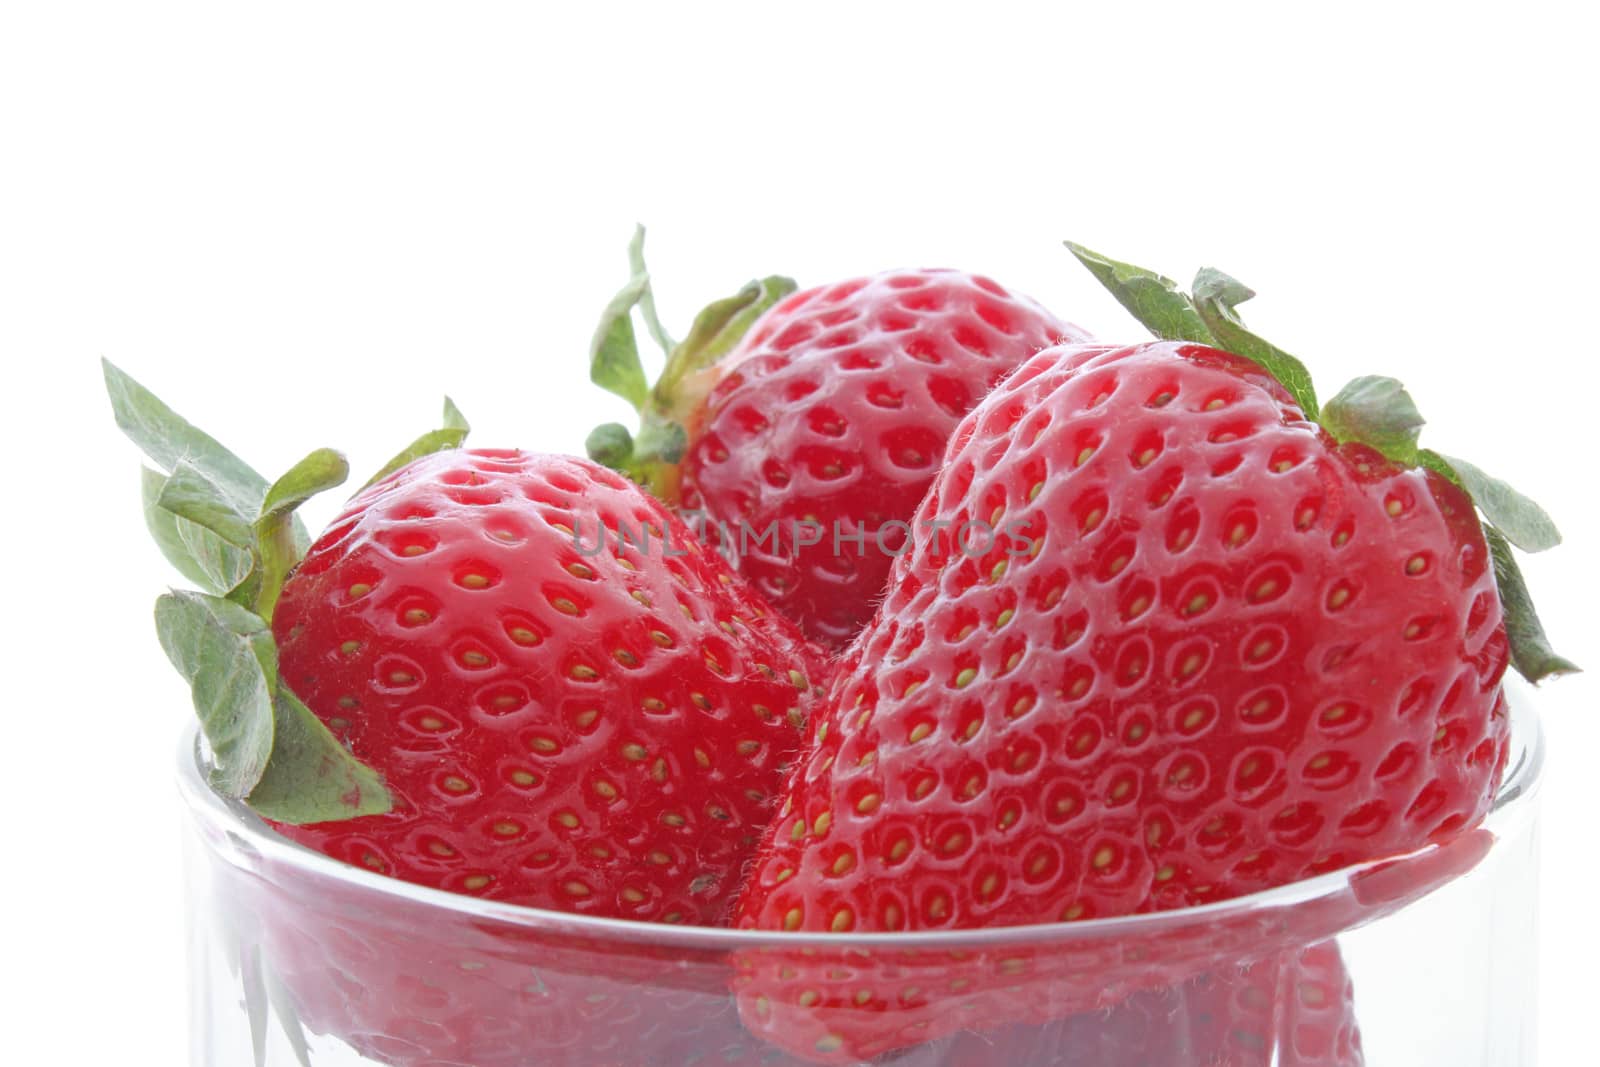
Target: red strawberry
<point>411,983</point>
<point>813,440</point>
<point>1211,650</point>
<point>1238,653</point>
<point>594,731</point>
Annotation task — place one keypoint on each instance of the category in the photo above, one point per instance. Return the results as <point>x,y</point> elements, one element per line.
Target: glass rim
<point>1518,786</point>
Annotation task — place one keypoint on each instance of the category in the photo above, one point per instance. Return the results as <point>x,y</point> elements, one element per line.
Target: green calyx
<point>651,455</point>
<point>1373,410</point>
<point>236,536</point>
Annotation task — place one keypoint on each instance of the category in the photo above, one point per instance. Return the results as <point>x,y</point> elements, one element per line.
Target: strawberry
<point>809,444</point>
<point>593,731</point>
<point>1161,639</point>
<point>509,675</point>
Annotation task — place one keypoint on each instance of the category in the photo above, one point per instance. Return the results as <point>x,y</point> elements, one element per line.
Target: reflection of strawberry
<point>845,1002</point>
<point>415,984</point>
<point>1227,650</point>
<point>594,731</point>
<point>1295,1010</point>
<point>824,425</point>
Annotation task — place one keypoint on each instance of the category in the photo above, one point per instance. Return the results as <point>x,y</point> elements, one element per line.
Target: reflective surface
<point>1427,959</point>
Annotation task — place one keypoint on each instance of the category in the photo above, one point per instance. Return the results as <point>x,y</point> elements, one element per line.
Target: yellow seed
<point>869,803</point>
<point>575,888</point>
<point>474,658</point>
<point>820,825</point>
<point>845,861</point>
<point>474,581</point>
<point>567,819</point>
<point>416,617</point>
<point>475,882</point>
<point>583,672</point>
<point>507,828</point>
<point>843,920</point>
<point>965,678</point>
<point>524,636</point>
<point>358,590</point>
<point>455,784</point>
<point>792,919</point>
<point>565,606</point>
<point>523,778</point>
<point>1103,857</point>
<point>605,789</point>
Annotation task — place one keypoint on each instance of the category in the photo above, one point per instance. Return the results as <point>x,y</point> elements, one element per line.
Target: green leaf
<point>614,352</point>
<point>199,555</point>
<point>660,442</point>
<point>266,746</point>
<point>647,300</point>
<point>322,470</point>
<point>717,329</point>
<point>190,494</point>
<point>1531,653</point>
<point>1157,302</point>
<point>1524,523</point>
<point>278,545</point>
<point>1376,411</point>
<point>450,435</point>
<point>311,777</point>
<point>1211,284</point>
<point>169,440</point>
<point>227,656</point>
<point>1215,296</point>
<point>610,444</point>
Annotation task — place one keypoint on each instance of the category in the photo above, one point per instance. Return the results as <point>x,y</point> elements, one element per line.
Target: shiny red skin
<point>598,733</point>
<point>835,409</point>
<point>1243,654</point>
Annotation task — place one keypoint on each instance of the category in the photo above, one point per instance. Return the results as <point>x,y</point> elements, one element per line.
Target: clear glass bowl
<point>1421,960</point>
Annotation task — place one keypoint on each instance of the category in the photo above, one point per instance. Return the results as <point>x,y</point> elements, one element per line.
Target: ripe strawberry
<point>593,731</point>
<point>811,442</point>
<point>1216,648</point>
<point>510,675</point>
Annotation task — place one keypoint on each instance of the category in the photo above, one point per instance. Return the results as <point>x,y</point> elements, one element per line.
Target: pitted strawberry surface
<point>831,416</point>
<point>1234,653</point>
<point>563,719</point>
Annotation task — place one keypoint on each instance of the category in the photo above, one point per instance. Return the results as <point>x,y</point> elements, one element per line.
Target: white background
<point>302,223</point>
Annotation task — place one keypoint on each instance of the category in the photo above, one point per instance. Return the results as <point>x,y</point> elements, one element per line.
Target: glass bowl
<point>1419,960</point>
